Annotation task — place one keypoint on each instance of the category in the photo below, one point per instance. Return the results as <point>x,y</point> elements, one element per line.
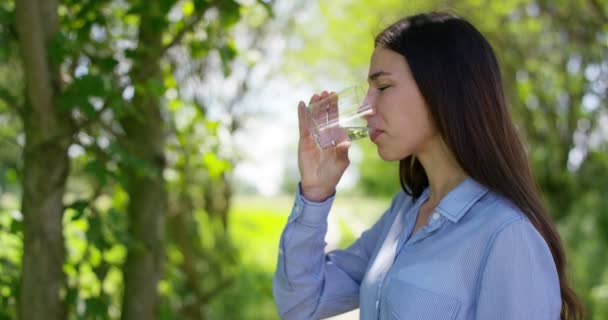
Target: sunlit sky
<point>269,141</point>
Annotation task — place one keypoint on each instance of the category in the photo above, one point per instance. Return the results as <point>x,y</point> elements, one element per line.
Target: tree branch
<point>190,25</point>
<point>11,142</point>
<point>89,201</point>
<point>9,99</point>
<point>187,28</point>
<point>223,284</point>
<point>106,106</point>
<point>599,10</point>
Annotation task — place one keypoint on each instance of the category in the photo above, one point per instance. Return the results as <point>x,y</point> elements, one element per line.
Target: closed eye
<point>382,88</point>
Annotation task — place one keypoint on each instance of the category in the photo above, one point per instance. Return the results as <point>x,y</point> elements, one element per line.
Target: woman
<point>468,236</point>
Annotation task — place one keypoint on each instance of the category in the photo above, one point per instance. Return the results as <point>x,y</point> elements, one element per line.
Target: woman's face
<point>400,123</point>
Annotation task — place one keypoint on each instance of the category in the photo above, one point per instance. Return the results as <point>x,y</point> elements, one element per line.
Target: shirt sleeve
<point>309,284</point>
<point>520,279</point>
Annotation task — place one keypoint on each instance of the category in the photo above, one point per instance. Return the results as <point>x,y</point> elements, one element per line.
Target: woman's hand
<point>320,169</point>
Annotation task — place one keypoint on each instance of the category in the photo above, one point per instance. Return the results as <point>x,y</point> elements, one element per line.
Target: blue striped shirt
<point>479,257</point>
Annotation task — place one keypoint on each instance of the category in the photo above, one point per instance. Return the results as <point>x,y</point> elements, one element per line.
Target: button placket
<point>427,230</point>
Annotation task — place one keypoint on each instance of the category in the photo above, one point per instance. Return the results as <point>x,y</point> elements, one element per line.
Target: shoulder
<point>493,213</point>
<point>510,232</point>
<point>504,224</point>
<point>517,268</point>
<point>494,207</point>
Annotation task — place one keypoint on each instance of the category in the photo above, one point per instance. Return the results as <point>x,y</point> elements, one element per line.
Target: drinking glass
<point>340,117</point>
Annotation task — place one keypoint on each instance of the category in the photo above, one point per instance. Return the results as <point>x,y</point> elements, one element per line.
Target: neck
<point>442,170</point>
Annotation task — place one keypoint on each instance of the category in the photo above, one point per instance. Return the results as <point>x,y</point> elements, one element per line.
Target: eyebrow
<point>378,74</point>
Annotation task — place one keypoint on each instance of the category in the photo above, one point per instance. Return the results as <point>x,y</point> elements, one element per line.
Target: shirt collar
<point>459,200</point>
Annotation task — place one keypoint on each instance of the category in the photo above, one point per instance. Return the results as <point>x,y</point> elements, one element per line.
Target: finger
<point>314,98</point>
<point>303,120</point>
<point>318,110</point>
<point>313,105</point>
<point>319,118</point>
<point>332,110</point>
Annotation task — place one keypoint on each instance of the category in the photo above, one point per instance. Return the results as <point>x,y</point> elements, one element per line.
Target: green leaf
<point>131,53</point>
<point>95,306</point>
<point>201,5</point>
<point>175,104</point>
<point>215,166</point>
<point>79,206</point>
<point>95,233</point>
<point>170,81</point>
<point>71,296</point>
<point>118,107</point>
<point>156,87</point>
<point>230,13</point>
<point>188,8</point>
<point>212,126</point>
<point>267,4</point>
<point>108,64</point>
<point>60,46</point>
<point>97,169</point>
<point>141,167</point>
<point>16,226</point>
<point>11,176</point>
<point>228,52</point>
<point>199,49</point>
<point>84,30</point>
<point>166,5</point>
<point>135,10</point>
<point>77,95</point>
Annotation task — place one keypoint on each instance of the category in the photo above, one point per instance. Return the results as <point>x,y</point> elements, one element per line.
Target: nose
<point>367,108</point>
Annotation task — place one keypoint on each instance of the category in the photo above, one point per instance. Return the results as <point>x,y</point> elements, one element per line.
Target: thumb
<point>342,150</point>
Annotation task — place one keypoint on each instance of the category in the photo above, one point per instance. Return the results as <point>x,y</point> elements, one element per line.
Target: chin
<point>389,155</point>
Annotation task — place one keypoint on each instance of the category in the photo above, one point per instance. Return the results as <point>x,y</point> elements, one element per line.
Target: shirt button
<point>435,216</point>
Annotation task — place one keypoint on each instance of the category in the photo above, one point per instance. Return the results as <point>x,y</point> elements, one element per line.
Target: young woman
<point>467,237</point>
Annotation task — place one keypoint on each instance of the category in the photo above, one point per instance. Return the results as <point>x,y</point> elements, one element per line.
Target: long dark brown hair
<point>458,75</point>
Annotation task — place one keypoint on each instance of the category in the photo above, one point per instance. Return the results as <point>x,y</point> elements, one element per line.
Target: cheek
<point>410,118</point>
<point>410,127</point>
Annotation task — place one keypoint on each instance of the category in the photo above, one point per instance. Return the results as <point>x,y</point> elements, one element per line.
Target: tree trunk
<point>147,195</point>
<point>182,227</point>
<point>45,165</point>
<point>218,196</point>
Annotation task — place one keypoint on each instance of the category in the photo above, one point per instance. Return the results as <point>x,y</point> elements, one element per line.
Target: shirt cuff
<point>309,212</point>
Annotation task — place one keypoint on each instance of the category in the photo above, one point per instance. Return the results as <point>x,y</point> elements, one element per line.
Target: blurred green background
<point>148,148</point>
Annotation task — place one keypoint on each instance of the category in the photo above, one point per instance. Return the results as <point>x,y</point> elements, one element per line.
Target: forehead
<point>388,61</point>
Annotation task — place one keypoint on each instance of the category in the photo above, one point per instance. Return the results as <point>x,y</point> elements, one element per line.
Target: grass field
<point>256,224</point>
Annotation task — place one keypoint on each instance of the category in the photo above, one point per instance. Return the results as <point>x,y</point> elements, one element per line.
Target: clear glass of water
<point>340,117</point>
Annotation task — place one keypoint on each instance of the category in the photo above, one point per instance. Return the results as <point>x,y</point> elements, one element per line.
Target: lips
<point>374,133</point>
